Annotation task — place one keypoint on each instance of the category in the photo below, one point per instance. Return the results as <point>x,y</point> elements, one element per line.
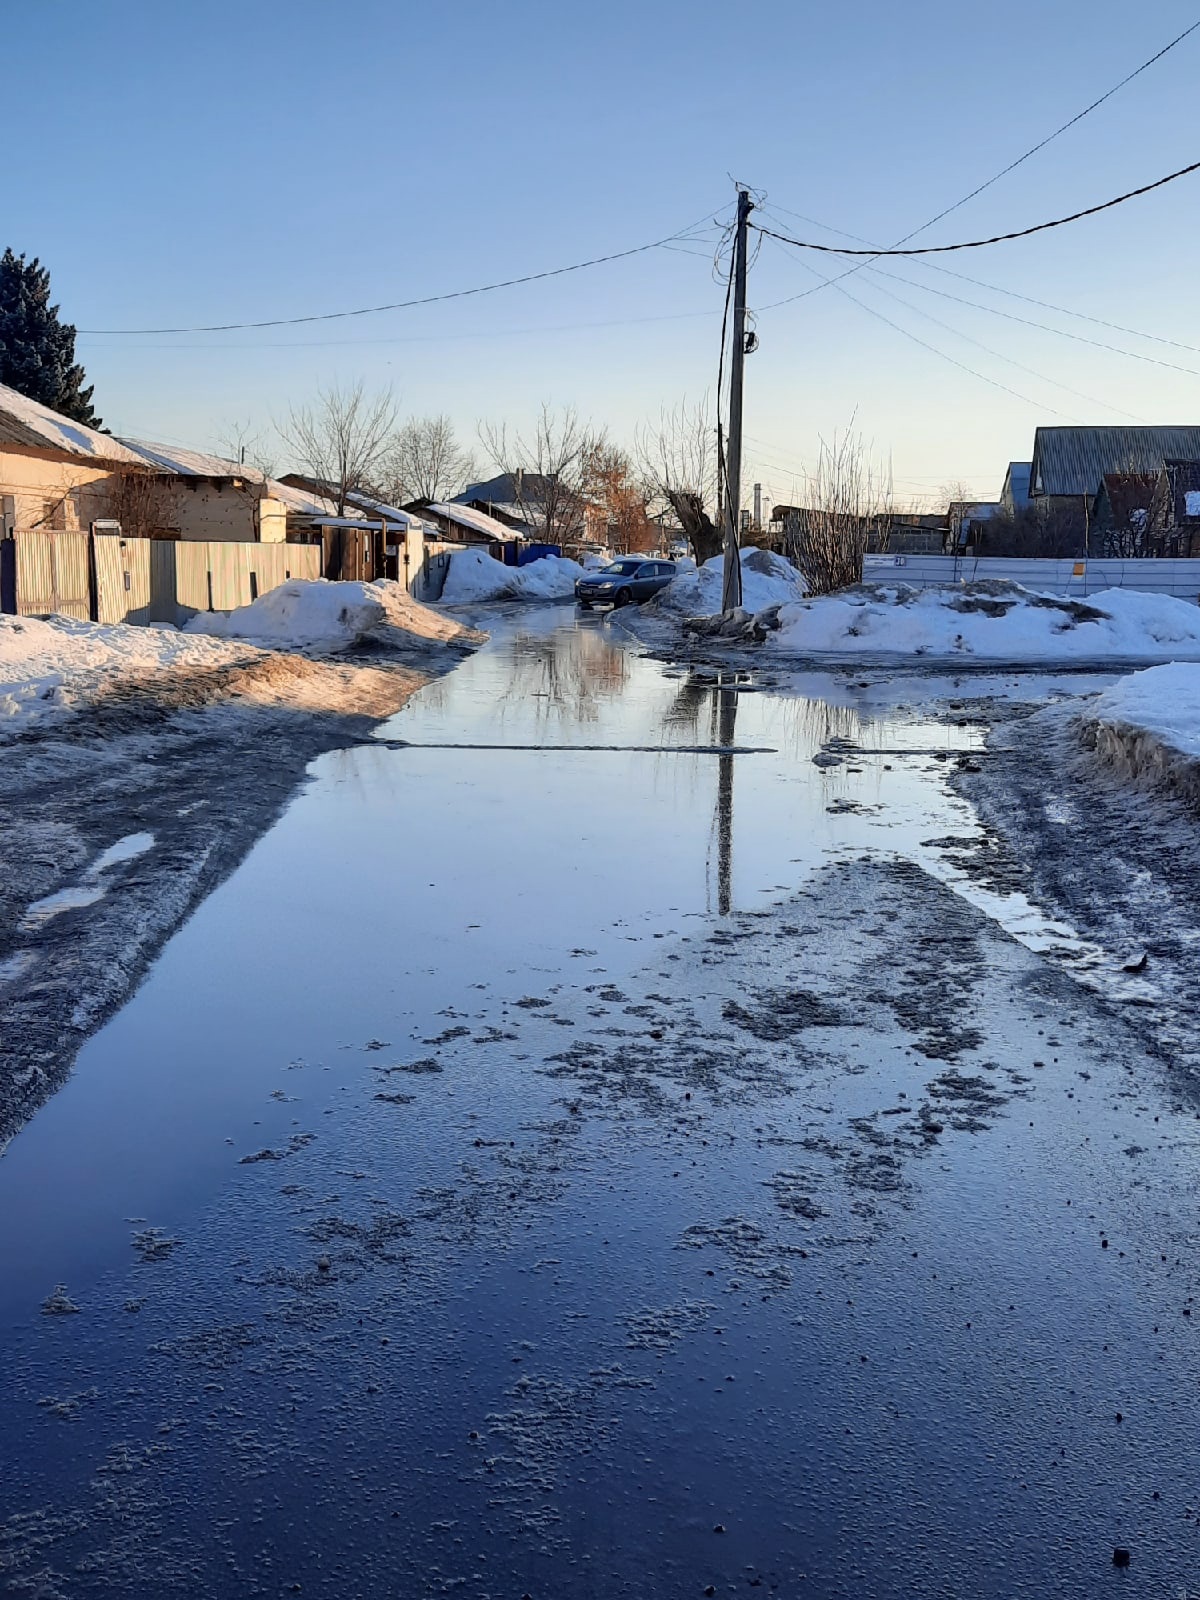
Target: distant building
<point>1069,464</point>
<point>967,520</point>
<point>462,524</point>
<point>518,499</point>
<point>1014,496</point>
<point>1120,519</point>
<point>1148,514</point>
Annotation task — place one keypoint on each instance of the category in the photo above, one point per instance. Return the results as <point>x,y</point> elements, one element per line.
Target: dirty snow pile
<point>475,576</point>
<point>328,617</point>
<point>1148,726</point>
<point>992,620</point>
<point>767,580</point>
<point>51,668</point>
<point>302,614</point>
<point>403,614</point>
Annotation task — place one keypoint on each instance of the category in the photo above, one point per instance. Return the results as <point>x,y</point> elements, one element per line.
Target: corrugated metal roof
<point>191,463</point>
<point>26,422</point>
<point>1073,461</point>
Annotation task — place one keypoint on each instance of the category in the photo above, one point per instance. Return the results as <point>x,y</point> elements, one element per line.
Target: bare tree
<point>342,439</point>
<point>549,469</point>
<point>145,503</point>
<point>425,461</point>
<point>848,502</point>
<point>243,443</point>
<point>959,504</point>
<point>678,460</point>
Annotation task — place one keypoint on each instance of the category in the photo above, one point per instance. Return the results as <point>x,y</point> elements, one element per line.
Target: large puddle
<point>556,804</point>
<point>436,1227</point>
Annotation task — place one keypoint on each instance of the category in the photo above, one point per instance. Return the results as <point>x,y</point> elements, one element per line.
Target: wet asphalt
<point>591,1147</point>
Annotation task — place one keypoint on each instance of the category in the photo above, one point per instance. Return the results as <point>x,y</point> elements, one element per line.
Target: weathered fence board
<point>112,579</point>
<point>53,573</point>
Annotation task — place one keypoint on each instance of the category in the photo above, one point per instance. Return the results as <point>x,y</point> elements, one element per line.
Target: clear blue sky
<point>187,164</point>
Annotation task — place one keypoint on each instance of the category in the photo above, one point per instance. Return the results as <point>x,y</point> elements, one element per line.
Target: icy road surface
<point>591,1148</point>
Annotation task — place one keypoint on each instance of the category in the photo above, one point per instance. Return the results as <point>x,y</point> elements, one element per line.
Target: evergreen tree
<point>37,351</point>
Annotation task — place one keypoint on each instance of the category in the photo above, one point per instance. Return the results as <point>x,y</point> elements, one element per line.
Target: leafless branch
<point>342,439</point>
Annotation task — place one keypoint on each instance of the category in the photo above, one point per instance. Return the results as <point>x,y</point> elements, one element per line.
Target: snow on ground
<point>1164,701</point>
<point>51,668</point>
<point>767,580</point>
<point>48,668</point>
<point>475,576</point>
<point>302,614</point>
<point>316,615</point>
<point>992,620</point>
<point>1148,727</point>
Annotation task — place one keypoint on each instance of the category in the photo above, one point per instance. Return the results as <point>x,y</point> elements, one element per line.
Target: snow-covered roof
<point>26,422</point>
<point>191,463</point>
<point>468,517</point>
<point>381,511</point>
<point>300,500</point>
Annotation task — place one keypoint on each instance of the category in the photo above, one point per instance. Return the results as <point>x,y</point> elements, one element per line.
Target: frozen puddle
<point>125,849</point>
<point>86,892</point>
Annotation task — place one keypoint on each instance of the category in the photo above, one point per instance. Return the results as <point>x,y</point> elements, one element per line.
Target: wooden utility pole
<point>731,584</point>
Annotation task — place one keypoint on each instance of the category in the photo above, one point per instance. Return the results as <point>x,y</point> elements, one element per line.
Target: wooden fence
<point>1166,575</point>
<point>105,578</point>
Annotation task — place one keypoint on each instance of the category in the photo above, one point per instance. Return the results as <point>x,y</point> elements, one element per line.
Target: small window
<point>54,514</point>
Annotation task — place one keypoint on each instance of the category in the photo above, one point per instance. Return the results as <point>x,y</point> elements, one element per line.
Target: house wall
<point>272,521</point>
<point>212,511</point>
<point>41,488</point>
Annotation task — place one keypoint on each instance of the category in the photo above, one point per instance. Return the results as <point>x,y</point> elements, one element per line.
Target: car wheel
<point>624,597</point>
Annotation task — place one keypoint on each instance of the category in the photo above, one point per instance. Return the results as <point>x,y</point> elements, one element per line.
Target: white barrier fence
<point>1180,578</point>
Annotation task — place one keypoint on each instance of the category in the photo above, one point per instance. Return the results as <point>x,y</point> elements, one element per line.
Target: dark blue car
<point>626,582</point>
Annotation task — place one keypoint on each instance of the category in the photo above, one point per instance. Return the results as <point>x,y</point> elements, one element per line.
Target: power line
<point>925,345</point>
<point>1044,327</point>
<point>993,288</point>
<point>978,244</point>
<point>1041,145</point>
<point>405,305</point>
<point>423,338</point>
<point>999,355</point>
<point>1049,139</point>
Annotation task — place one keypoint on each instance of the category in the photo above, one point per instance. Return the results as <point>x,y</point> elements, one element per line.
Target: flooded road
<point>605,1139</point>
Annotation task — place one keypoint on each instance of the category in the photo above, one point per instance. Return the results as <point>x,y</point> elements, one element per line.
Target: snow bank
<point>302,614</point>
<point>475,576</point>
<point>992,620</point>
<point>1147,726</point>
<point>316,615</point>
<point>51,668</point>
<point>551,578</point>
<point>767,580</point>
<point>400,610</point>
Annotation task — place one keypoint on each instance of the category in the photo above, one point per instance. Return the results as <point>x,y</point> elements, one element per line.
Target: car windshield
<point>622,569</point>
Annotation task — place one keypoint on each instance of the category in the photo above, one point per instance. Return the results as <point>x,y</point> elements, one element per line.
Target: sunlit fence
<point>1180,578</point>
<point>106,578</point>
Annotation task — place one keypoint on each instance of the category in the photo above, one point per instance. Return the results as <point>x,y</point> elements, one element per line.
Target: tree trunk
<point>699,529</point>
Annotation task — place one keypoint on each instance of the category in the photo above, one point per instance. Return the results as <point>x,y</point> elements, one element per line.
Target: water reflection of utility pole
<point>726,707</point>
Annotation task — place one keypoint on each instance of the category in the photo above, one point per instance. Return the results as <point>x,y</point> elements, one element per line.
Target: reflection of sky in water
<point>417,880</point>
